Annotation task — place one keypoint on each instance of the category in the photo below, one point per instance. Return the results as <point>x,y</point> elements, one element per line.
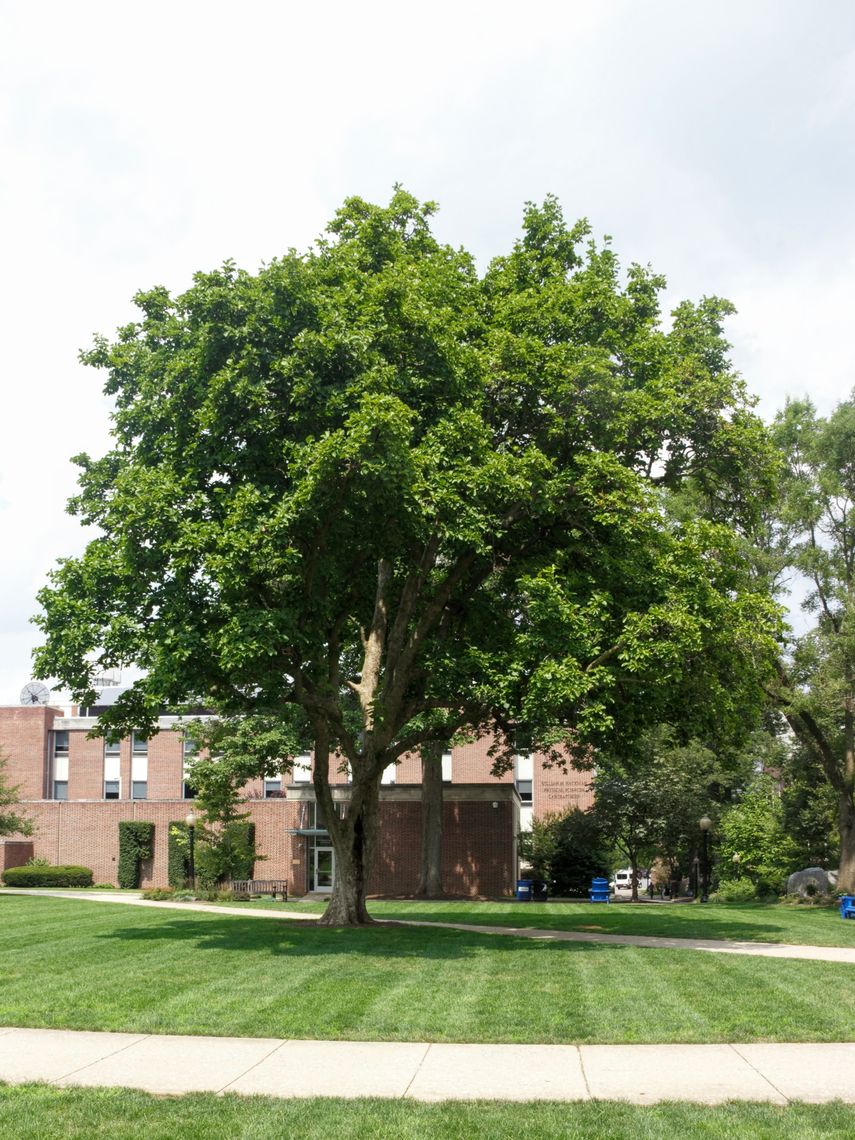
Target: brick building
<point>77,789</point>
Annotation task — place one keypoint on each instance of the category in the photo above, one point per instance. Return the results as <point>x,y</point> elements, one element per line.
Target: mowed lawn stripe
<point>731,922</point>
<point>67,964</point>
<point>36,1112</point>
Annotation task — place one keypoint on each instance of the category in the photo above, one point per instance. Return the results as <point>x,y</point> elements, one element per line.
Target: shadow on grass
<point>682,921</point>
<point>385,941</point>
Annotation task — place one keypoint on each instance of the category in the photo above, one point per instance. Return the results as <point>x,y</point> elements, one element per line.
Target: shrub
<point>47,877</point>
<point>735,890</point>
<point>178,860</point>
<point>159,894</point>
<point>37,862</point>
<point>136,843</point>
<point>228,853</point>
<point>104,886</point>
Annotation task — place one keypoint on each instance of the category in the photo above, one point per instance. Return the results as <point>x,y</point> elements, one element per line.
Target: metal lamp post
<point>190,820</point>
<point>705,823</point>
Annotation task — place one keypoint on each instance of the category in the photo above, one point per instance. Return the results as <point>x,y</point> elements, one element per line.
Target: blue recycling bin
<point>524,890</point>
<point>599,891</point>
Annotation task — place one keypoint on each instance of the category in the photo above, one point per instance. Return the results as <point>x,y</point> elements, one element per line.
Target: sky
<point>142,143</point>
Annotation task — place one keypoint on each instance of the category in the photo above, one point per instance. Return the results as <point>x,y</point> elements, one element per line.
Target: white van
<point>621,882</point>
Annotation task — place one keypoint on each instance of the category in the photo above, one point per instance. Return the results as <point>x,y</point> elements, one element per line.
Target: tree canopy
<point>368,483</point>
<point>816,535</point>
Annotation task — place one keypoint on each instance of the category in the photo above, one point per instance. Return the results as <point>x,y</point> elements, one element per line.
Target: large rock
<point>811,881</point>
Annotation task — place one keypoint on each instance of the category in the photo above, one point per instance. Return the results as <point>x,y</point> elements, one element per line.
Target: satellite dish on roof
<point>35,693</point>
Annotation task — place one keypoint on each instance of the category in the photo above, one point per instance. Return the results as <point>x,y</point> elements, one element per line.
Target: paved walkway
<point>710,945</point>
<point>643,1074</point>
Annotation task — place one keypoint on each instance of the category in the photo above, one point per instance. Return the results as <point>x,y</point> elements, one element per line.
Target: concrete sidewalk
<point>642,1074</point>
<point>713,946</point>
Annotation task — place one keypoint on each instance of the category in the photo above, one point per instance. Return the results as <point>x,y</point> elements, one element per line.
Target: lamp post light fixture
<point>190,820</point>
<point>705,823</point>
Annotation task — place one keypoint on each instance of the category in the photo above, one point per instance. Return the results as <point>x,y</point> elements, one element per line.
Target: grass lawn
<point>740,922</point>
<point>83,965</point>
<point>28,1112</point>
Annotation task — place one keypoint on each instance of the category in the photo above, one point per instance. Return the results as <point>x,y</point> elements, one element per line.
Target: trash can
<point>524,890</point>
<point>539,891</point>
<point>599,891</point>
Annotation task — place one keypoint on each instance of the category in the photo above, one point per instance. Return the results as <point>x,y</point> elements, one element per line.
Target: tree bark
<point>353,837</point>
<point>430,878</point>
<point>846,817</point>
<point>354,840</point>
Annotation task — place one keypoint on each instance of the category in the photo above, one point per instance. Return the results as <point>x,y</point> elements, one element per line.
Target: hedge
<point>136,843</point>
<point>47,877</point>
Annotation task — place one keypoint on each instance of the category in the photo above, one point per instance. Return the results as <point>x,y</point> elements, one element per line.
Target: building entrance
<point>323,869</point>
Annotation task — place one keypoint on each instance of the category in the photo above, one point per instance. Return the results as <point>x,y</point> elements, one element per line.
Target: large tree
<point>404,498</point>
<point>816,536</point>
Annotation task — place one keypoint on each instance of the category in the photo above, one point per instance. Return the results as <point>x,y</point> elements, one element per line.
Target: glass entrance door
<point>324,869</point>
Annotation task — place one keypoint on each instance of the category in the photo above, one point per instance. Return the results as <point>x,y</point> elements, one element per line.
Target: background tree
<point>816,681</point>
<point>566,851</point>
<point>367,483</point>
<point>752,840</point>
<point>809,809</point>
<point>648,799</point>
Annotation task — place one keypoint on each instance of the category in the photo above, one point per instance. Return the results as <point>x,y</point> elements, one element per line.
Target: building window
<point>60,743</point>
<point>188,791</point>
<point>525,791</point>
<point>60,776</point>
<point>112,781</point>
<point>315,813</point>
<point>273,788</point>
<point>112,747</point>
<point>140,745</point>
<point>139,776</point>
<point>301,772</point>
<point>524,777</point>
<point>446,767</point>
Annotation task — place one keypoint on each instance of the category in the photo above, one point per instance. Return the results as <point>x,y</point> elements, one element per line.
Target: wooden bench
<point>254,888</point>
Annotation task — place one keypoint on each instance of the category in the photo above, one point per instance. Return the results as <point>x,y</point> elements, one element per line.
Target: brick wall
<point>14,853</point>
<point>88,834</point>
<point>24,736</point>
<point>478,848</point>
<point>478,844</point>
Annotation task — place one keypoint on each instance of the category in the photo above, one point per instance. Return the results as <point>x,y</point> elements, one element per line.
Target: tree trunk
<point>353,837</point>
<point>634,895</point>
<point>846,816</point>
<point>354,840</point>
<point>430,878</point>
